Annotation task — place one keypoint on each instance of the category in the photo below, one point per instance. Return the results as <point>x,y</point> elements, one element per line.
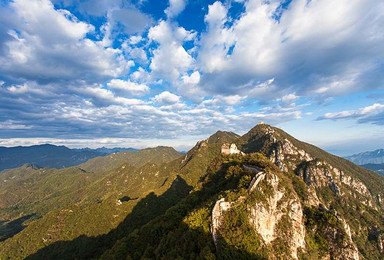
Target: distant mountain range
<point>375,157</point>
<point>105,150</point>
<point>50,156</point>
<point>372,160</point>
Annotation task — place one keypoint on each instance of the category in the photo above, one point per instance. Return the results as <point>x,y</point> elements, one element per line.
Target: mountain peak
<point>160,148</point>
<point>222,137</point>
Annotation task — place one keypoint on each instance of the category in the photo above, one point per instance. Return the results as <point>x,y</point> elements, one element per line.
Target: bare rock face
<point>280,215</point>
<point>380,243</point>
<point>315,172</point>
<point>217,213</point>
<point>346,251</point>
<point>285,152</point>
<point>265,217</point>
<point>349,251</point>
<point>275,212</point>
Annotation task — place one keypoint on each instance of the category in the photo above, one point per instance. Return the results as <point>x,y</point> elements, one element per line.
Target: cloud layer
<point>131,69</point>
<point>373,114</point>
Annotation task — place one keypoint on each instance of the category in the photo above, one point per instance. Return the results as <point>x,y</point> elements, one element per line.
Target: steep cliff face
<point>277,214</point>
<point>274,212</point>
<point>335,186</point>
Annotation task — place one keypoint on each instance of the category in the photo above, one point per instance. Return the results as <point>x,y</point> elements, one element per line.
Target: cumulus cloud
<point>57,51</point>
<point>105,97</point>
<point>189,87</point>
<point>170,59</point>
<point>175,8</point>
<point>373,114</point>
<point>135,39</point>
<point>166,97</point>
<point>140,75</point>
<point>316,47</point>
<point>128,87</point>
<point>137,54</point>
<point>224,100</point>
<point>217,41</point>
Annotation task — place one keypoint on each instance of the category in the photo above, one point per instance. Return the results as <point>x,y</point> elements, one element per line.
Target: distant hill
<point>371,157</point>
<point>379,168</point>
<point>50,156</point>
<point>105,150</point>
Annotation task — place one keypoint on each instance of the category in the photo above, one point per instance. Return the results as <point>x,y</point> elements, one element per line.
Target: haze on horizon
<point>143,73</point>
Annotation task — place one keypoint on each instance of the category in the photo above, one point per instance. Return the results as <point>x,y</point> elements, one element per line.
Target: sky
<point>142,73</point>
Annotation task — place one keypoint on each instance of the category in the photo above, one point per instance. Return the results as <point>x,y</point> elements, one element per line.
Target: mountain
<point>108,163</point>
<point>373,160</point>
<point>51,156</point>
<point>371,157</point>
<point>379,168</point>
<point>105,150</point>
<point>279,198</point>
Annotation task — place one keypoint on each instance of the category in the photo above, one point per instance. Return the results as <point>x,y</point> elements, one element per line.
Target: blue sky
<point>151,72</point>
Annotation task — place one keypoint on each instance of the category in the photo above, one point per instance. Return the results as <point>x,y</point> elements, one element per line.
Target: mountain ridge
<point>51,156</point>
<point>369,157</point>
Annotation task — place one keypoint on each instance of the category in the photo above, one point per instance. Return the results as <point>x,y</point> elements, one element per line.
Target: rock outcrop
<point>278,215</point>
<point>230,149</point>
<point>217,214</point>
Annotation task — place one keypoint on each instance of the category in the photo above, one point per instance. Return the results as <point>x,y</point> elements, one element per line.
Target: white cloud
<point>170,59</point>
<point>232,100</point>
<point>175,8</point>
<point>137,54</point>
<point>189,88</point>
<point>105,97</point>
<point>288,100</point>
<point>224,100</point>
<point>166,97</point>
<point>140,75</point>
<point>57,51</point>
<point>135,39</point>
<point>217,41</point>
<point>316,46</point>
<point>27,87</point>
<point>12,125</point>
<point>128,87</point>
<point>373,114</point>
<point>193,79</point>
<point>95,112</point>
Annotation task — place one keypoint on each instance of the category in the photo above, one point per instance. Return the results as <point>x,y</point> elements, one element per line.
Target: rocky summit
<point>263,195</point>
